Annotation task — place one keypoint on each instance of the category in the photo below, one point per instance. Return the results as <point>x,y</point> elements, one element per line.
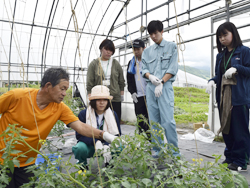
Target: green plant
<point>133,166</point>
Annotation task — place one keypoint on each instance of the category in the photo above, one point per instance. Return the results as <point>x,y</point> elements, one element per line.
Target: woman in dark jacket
<point>232,79</point>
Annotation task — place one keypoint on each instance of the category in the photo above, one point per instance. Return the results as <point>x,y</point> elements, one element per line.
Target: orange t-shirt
<point>16,108</point>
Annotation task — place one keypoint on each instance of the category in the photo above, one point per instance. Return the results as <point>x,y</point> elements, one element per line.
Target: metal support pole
<point>212,75</point>
<point>125,35</point>
<point>10,46</point>
<point>146,18</point>
<point>189,5</point>
<point>227,6</point>
<point>141,16</point>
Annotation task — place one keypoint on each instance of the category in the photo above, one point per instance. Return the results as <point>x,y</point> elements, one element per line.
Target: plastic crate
<point>52,158</point>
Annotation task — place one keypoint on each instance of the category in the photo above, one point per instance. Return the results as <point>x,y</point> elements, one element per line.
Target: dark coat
<point>87,140</point>
<point>241,61</point>
<point>131,81</point>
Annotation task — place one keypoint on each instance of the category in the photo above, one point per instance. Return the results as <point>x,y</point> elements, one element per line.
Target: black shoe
<point>235,167</point>
<point>225,161</point>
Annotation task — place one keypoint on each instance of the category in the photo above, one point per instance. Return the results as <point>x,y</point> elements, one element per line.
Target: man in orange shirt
<point>38,110</point>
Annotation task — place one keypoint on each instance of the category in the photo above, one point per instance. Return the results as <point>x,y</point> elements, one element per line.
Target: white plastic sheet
<point>200,134</point>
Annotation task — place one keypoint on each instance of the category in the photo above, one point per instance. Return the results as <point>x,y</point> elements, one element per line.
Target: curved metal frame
<point>49,33</point>
<point>66,34</point>
<point>11,44</point>
<point>81,36</point>
<point>45,38</point>
<point>97,30</point>
<point>30,39</point>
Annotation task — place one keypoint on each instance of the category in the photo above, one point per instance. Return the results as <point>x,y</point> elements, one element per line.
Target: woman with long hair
<point>232,79</point>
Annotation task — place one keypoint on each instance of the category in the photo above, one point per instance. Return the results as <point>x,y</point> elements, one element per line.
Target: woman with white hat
<point>100,116</point>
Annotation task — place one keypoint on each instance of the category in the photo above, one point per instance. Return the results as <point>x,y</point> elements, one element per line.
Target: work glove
<point>209,86</point>
<point>122,98</point>
<point>108,137</point>
<point>158,90</point>
<point>229,73</point>
<point>98,145</point>
<point>134,97</point>
<point>106,154</point>
<point>156,81</point>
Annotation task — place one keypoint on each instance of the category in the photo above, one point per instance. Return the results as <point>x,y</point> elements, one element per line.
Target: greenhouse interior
<point>38,35</point>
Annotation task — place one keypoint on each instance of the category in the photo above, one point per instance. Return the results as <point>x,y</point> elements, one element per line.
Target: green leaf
<point>11,166</point>
<point>146,181</point>
<point>225,179</point>
<point>30,160</point>
<point>147,174</point>
<point>51,183</point>
<point>230,185</point>
<point>126,184</point>
<point>138,159</point>
<point>178,181</point>
<point>139,170</point>
<point>243,181</point>
<point>59,175</point>
<point>16,162</point>
<point>5,155</point>
<point>4,178</point>
<point>119,171</point>
<point>15,151</point>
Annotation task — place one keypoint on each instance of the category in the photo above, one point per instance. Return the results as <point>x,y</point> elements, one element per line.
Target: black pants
<point>117,107</point>
<point>140,108</point>
<point>238,140</point>
<point>19,177</point>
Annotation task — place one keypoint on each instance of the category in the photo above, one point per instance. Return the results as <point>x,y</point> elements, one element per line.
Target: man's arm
<point>147,75</point>
<point>166,77</point>
<point>173,65</point>
<point>86,130</point>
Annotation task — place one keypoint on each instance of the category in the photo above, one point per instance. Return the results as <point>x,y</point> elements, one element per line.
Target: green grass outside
<point>198,99</point>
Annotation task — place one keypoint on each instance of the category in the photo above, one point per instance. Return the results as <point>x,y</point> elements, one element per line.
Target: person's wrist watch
<point>101,135</point>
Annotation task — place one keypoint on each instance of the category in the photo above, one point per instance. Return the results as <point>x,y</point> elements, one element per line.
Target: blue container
<point>52,158</point>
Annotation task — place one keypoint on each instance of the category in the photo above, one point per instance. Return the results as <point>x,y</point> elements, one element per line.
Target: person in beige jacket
<point>107,71</point>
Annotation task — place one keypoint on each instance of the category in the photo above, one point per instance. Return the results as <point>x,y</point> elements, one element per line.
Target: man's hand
<point>98,145</point>
<point>108,137</point>
<point>158,90</point>
<point>229,73</point>
<point>134,97</point>
<point>156,81</point>
<point>209,86</point>
<point>107,154</point>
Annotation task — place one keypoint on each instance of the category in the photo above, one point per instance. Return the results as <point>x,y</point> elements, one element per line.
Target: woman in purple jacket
<point>233,62</point>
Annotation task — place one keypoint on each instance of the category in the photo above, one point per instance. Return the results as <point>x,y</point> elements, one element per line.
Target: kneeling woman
<point>100,116</point>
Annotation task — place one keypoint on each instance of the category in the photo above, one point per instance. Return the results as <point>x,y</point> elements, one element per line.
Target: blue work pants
<point>161,110</point>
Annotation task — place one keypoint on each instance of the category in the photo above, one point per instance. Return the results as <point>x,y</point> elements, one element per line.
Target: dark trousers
<point>140,108</point>
<point>117,107</point>
<point>238,140</point>
<point>19,177</point>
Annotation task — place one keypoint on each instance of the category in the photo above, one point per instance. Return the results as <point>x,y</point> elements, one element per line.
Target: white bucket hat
<point>100,92</point>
